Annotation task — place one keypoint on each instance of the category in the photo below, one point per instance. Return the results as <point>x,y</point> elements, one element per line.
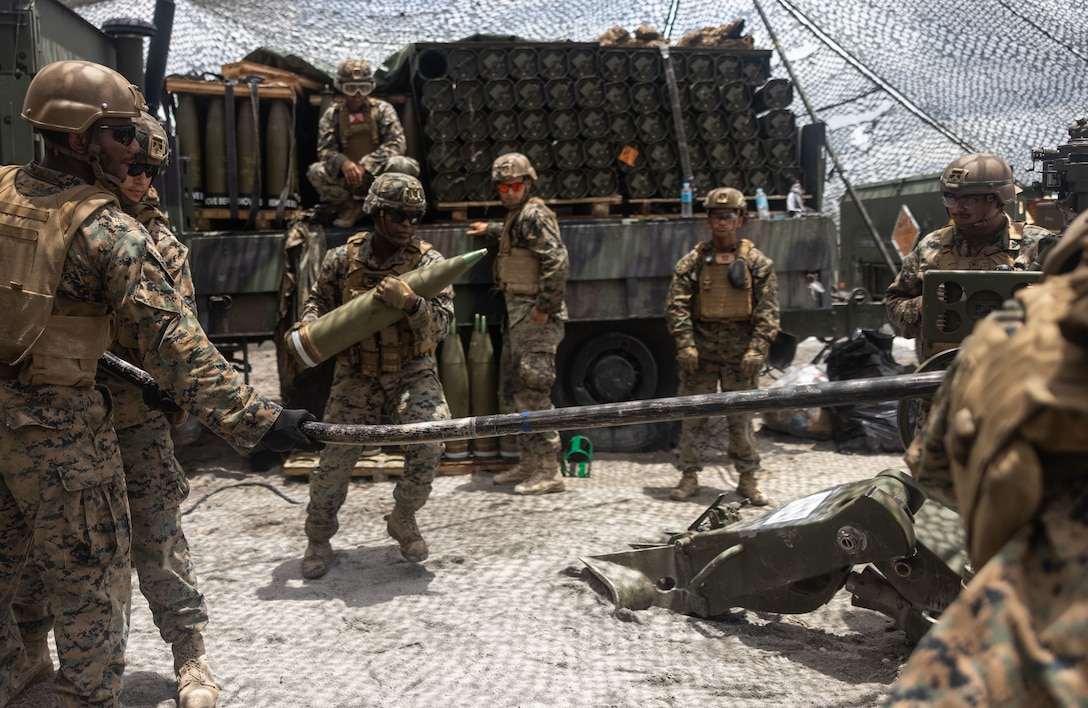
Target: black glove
<point>286,433</point>
<point>157,399</point>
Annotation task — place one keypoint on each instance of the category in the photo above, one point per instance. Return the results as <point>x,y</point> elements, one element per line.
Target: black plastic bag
<point>865,427</point>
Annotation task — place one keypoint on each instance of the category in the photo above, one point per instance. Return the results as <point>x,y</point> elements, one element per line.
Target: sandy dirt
<point>503,612</point>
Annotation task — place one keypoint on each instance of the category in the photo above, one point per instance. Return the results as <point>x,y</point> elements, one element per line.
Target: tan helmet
<point>511,165</point>
<point>354,76</point>
<point>154,148</point>
<point>725,198</point>
<point>396,192</point>
<point>68,96</point>
<point>979,173</point>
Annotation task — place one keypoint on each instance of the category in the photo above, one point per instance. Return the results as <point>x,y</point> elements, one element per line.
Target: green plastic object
<point>578,459</point>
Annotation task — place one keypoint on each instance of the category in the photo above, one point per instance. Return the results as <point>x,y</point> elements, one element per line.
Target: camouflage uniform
<point>904,295</point>
<point>155,481</point>
<point>59,452</point>
<point>325,174</point>
<point>1009,453</point>
<point>410,395</point>
<point>528,347</point>
<point>721,347</point>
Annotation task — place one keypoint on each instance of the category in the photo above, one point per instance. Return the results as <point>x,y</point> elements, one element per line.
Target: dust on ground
<point>502,613</point>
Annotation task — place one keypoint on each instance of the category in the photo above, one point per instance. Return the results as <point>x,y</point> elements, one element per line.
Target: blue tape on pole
<point>525,427</point>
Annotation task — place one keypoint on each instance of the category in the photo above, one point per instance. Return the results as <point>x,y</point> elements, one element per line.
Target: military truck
<point>231,191</point>
<point>608,163</point>
<point>624,127</point>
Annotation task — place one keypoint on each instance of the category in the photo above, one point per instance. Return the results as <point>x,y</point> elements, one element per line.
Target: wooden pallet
<point>385,465</point>
<point>272,75</point>
<point>176,84</point>
<point>218,218</point>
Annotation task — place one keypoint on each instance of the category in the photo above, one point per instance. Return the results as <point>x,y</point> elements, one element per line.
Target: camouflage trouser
<point>62,493</point>
<point>413,395</point>
<point>1017,635</point>
<point>160,552</point>
<point>528,372</point>
<point>334,189</point>
<point>695,432</point>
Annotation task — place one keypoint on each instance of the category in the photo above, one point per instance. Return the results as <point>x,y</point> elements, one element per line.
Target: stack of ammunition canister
<point>597,121</point>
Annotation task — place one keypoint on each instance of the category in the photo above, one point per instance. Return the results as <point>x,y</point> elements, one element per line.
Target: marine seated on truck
<point>357,136</point>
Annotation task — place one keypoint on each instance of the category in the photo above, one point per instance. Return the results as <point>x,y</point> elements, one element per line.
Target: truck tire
<point>616,362</point>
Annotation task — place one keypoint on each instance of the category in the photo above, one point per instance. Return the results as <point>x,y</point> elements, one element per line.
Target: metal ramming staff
<point>607,415</point>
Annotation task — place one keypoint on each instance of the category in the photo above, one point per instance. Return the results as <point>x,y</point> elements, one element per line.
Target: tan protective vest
<point>391,347</point>
<point>948,258</point>
<point>517,270</point>
<point>717,299</point>
<point>357,140</point>
<point>49,339</point>
<point>1018,406</point>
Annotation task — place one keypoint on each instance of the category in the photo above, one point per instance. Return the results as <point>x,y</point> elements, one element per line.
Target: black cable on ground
<point>204,498</point>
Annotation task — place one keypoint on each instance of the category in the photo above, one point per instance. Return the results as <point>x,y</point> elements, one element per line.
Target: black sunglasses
<point>399,217</point>
<point>136,169</point>
<point>123,134</point>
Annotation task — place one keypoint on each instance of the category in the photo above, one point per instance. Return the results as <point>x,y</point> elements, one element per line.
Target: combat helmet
<point>68,96</point>
<point>511,165</point>
<point>979,173</point>
<point>725,198</point>
<point>154,149</point>
<point>354,76</point>
<point>394,191</point>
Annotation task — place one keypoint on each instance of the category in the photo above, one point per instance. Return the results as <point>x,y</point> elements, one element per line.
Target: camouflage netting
<point>903,85</point>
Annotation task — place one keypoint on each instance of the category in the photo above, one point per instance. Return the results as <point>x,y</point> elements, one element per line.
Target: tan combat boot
<point>317,559</point>
<point>545,479</point>
<point>349,213</point>
<point>686,488</point>
<point>401,525</point>
<point>196,685</point>
<point>515,475</point>
<point>37,668</point>
<point>746,487</point>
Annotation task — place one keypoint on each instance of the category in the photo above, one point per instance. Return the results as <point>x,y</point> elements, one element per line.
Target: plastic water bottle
<point>761,204</point>
<point>685,201</point>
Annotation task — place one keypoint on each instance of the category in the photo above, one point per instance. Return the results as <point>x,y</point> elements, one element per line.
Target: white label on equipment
<point>799,509</point>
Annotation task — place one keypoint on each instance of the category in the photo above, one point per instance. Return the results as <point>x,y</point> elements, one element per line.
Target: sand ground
<point>502,613</point>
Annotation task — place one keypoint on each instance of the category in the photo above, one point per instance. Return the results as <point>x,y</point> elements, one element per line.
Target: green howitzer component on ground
<point>605,415</point>
<point>333,332</point>
<point>483,381</point>
<point>794,559</point>
<point>453,371</point>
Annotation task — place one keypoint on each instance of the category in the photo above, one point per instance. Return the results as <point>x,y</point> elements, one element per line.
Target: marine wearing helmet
<point>511,165</point>
<point>67,97</point>
<point>154,146</point>
<point>978,173</point>
<point>394,191</point>
<point>354,77</point>
<point>725,198</point>
<point>358,138</point>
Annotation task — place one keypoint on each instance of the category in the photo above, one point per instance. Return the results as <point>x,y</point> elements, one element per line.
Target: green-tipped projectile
<point>333,332</point>
<point>453,372</point>
<point>483,381</point>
